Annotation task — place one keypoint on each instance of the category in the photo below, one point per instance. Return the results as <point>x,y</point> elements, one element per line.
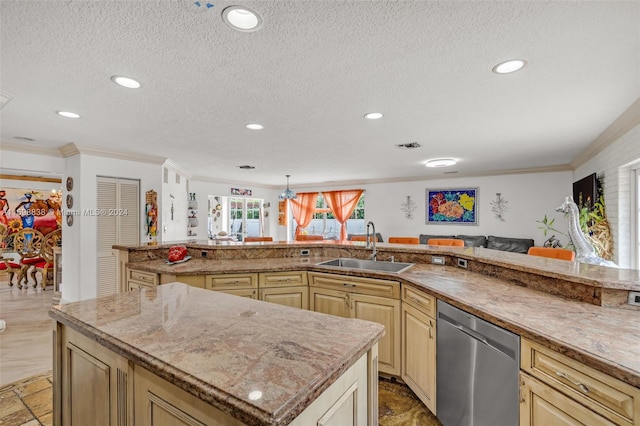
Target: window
<point>324,223</point>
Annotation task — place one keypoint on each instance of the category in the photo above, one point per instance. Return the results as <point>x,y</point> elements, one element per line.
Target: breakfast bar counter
<point>178,352</point>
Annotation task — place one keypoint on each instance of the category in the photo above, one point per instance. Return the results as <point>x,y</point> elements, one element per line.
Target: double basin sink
<point>370,265</point>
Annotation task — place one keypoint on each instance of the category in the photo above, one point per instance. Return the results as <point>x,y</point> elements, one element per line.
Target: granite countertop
<point>603,338</point>
<point>260,362</point>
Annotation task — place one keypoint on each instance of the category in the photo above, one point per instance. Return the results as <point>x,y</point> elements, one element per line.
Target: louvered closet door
<point>118,202</point>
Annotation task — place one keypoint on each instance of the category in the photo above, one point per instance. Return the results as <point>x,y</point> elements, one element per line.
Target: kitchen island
<point>175,354</point>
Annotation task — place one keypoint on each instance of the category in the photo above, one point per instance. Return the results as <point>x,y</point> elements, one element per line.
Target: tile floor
<point>28,402</point>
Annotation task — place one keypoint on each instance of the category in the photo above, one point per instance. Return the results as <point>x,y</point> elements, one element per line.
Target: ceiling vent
<point>411,145</point>
<point>4,99</point>
<point>247,167</point>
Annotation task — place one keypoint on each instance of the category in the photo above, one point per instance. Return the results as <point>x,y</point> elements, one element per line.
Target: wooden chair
<point>303,237</point>
<point>27,243</point>
<point>404,240</point>
<point>552,252</point>
<point>257,239</point>
<point>451,242</point>
<point>12,268</point>
<point>51,240</point>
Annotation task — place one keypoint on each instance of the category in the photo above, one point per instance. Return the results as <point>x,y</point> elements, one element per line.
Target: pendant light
<point>288,194</point>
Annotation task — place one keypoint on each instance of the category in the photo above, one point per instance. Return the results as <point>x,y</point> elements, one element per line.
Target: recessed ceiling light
<point>254,126</point>
<point>373,115</point>
<point>242,18</point>
<point>24,138</point>
<point>127,82</point>
<point>441,162</point>
<point>512,65</point>
<point>68,114</point>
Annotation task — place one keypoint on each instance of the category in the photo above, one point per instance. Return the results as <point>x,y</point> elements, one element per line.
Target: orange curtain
<point>342,205</point>
<point>303,209</point>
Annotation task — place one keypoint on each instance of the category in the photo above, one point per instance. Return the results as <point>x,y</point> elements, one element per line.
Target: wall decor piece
<point>238,191</point>
<point>69,201</point>
<point>408,207</point>
<point>151,212</point>
<point>499,207</point>
<point>452,206</point>
<point>69,183</point>
<point>69,220</point>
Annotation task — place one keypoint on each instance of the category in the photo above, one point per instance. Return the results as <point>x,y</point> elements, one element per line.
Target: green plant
<point>547,225</point>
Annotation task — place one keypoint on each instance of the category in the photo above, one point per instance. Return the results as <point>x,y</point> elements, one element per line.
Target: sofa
<point>515,245</point>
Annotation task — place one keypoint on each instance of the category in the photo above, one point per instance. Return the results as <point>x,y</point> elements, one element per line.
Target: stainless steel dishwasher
<point>477,371</point>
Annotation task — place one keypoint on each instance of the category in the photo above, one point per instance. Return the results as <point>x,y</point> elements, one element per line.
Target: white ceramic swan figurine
<point>585,253</point>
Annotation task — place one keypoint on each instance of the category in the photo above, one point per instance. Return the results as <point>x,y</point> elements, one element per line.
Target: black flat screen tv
<point>585,191</point>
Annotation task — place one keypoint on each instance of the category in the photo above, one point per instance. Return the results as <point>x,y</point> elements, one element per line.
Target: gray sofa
<point>515,245</point>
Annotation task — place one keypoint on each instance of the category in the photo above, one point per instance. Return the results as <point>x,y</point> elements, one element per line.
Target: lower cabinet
<point>135,280</point>
<point>558,390</point>
<point>95,386</point>
<point>419,354</point>
<point>347,297</point>
<point>285,288</point>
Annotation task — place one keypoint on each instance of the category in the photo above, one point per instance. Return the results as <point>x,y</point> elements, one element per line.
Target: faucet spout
<point>371,243</point>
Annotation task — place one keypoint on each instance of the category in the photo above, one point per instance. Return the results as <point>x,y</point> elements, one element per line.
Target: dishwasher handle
<point>477,336</point>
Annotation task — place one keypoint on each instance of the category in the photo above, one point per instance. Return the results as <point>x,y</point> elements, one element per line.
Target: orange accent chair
<point>257,239</point>
<point>303,237</point>
<point>404,240</point>
<point>552,252</point>
<point>362,238</point>
<point>451,242</point>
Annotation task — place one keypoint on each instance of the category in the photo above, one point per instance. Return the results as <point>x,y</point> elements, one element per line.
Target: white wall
<point>529,197</point>
<point>174,194</point>
<point>79,249</point>
<point>614,162</point>
<point>205,188</point>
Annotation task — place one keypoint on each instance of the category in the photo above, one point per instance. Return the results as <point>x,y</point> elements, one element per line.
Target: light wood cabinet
<point>356,297</point>
<point>285,288</point>
<point>419,354</point>
<point>605,399</point>
<point>243,285</point>
<point>91,383</point>
<point>140,279</point>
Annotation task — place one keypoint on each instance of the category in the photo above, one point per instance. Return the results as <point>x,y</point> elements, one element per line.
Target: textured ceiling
<point>311,73</point>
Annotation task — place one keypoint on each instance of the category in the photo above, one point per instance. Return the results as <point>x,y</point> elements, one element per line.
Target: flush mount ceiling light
<point>373,115</point>
<point>68,114</point>
<point>509,66</point>
<point>242,18</point>
<point>441,162</point>
<point>287,194</point>
<point>127,82</point>
<point>254,126</point>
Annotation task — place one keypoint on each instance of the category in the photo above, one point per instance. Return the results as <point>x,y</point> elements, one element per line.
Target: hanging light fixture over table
<point>288,194</point>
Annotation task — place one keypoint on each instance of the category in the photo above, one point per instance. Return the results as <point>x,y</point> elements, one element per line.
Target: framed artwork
<point>457,206</point>
<point>238,191</point>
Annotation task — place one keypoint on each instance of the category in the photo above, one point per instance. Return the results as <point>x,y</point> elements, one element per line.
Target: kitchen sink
<point>370,265</point>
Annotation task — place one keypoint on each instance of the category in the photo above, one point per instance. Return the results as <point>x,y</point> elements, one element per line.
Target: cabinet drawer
<point>419,300</point>
<point>282,279</point>
<point>142,276</point>
<point>231,281</point>
<point>609,397</point>
<point>372,286</point>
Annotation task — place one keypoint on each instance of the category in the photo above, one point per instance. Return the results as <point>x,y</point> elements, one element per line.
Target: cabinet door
<point>419,354</point>
<point>386,312</point>
<point>328,301</point>
<point>297,297</point>
<point>541,405</point>
<point>93,382</point>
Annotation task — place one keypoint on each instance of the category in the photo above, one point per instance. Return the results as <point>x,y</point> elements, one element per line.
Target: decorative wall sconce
<point>499,207</point>
<point>408,207</point>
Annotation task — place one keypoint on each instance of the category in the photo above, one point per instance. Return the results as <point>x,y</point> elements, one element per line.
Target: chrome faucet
<point>372,243</point>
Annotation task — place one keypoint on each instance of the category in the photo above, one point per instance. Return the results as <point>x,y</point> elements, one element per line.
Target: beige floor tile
<point>47,419</point>
<point>33,422</point>
<point>40,403</point>
<point>33,387</point>
<point>18,418</point>
<point>9,404</point>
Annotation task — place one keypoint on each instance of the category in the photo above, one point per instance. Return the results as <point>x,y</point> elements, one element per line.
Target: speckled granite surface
<point>260,362</point>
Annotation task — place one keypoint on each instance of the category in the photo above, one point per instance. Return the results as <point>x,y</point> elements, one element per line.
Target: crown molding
<point>30,149</point>
<point>627,121</point>
<point>176,168</point>
<point>235,182</point>
<point>533,170</point>
<point>152,159</point>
